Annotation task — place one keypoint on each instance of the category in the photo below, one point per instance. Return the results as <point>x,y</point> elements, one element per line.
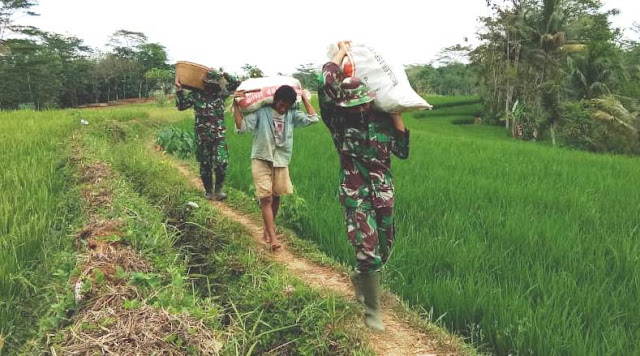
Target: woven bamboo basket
<point>191,75</point>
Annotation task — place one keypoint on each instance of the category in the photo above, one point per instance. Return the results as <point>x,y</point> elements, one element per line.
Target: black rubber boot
<point>207,182</point>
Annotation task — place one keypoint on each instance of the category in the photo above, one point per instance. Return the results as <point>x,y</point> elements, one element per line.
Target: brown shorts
<point>270,180</point>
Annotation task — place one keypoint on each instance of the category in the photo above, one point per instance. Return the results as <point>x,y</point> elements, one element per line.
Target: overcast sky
<point>277,36</point>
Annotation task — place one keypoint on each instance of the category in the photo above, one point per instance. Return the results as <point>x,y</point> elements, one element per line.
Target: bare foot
<point>274,246</point>
<point>275,243</point>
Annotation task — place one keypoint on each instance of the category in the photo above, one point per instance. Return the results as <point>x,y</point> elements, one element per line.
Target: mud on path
<point>398,339</point>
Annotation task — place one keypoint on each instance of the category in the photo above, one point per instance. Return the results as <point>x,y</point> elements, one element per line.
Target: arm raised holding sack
<point>364,138</point>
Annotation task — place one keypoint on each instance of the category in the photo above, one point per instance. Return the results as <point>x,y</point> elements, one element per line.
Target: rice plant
<point>522,247</point>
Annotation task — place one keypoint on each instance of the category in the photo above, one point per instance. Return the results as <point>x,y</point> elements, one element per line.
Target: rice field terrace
<point>96,249</point>
<point>521,248</point>
<point>37,207</point>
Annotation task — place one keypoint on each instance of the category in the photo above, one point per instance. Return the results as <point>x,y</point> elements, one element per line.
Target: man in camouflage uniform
<point>365,139</point>
<point>210,130</point>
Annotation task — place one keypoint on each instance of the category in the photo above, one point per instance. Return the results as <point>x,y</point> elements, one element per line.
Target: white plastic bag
<point>260,91</point>
<point>388,80</point>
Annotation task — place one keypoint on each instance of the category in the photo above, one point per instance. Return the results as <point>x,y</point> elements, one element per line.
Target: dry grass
<point>104,325</point>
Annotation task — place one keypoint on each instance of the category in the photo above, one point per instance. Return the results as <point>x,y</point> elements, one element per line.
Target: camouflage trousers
<point>213,155</point>
<point>371,231</point>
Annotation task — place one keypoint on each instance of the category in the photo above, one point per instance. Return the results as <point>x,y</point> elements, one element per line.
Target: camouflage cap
<point>353,93</point>
<point>213,77</point>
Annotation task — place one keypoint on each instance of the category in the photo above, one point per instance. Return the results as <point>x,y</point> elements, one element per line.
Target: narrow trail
<point>398,339</point>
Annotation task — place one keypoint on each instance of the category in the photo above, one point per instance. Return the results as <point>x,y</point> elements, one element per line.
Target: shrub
<point>177,141</point>
<point>578,128</point>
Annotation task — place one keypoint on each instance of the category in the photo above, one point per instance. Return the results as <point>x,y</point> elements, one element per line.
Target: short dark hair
<point>285,93</point>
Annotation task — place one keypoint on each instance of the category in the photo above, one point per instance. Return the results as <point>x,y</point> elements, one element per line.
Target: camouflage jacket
<point>209,109</point>
<point>364,145</point>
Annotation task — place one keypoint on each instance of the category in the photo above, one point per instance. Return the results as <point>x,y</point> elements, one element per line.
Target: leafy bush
<point>161,100</point>
<point>177,141</point>
<point>578,128</point>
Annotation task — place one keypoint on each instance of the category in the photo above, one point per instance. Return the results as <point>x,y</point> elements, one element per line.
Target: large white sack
<point>260,91</point>
<point>388,80</point>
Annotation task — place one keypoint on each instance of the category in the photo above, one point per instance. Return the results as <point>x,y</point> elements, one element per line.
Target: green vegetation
<point>259,303</point>
<point>541,64</point>
<point>523,248</point>
<point>43,70</point>
<point>203,266</point>
<point>453,78</point>
<point>441,101</point>
<point>37,206</point>
<point>177,142</point>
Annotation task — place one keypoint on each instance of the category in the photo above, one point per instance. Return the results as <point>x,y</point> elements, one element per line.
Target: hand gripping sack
<point>389,81</point>
<point>260,91</point>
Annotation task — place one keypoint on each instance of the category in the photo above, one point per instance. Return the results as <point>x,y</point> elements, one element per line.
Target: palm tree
<point>609,108</point>
<point>590,74</point>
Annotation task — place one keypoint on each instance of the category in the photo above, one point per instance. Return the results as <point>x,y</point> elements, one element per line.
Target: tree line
<point>545,69</point>
<point>558,69</point>
<point>40,69</point>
